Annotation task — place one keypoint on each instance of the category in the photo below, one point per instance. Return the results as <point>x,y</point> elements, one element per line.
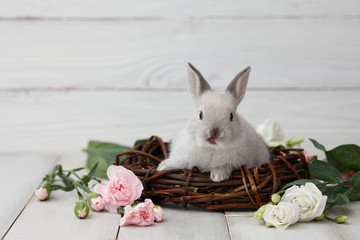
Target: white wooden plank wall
<point>152,54</point>
<point>76,70</point>
<point>160,9</point>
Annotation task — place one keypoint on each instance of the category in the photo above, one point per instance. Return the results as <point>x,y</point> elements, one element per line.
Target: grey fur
<point>215,143</point>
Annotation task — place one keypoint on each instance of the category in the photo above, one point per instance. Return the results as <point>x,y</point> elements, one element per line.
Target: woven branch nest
<point>246,188</point>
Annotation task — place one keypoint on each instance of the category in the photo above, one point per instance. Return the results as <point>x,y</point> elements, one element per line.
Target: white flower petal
<point>281,215</point>
<point>309,198</point>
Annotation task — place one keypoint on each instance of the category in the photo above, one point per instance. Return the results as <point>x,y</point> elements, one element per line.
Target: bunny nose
<point>214,132</point>
<point>212,140</point>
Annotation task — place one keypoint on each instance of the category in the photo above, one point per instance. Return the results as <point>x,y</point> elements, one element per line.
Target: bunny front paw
<point>168,164</point>
<point>220,173</point>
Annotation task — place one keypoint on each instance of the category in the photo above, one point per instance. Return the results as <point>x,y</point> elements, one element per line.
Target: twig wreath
<point>246,188</point>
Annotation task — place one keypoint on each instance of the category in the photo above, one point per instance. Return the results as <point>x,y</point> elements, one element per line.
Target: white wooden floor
<point>76,70</point>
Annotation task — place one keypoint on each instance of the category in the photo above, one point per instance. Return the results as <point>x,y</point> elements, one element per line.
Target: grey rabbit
<point>216,139</point>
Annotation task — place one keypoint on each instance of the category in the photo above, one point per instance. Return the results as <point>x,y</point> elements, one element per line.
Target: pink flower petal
<point>112,208</point>
<point>122,189</point>
<point>82,212</point>
<point>113,170</point>
<point>158,213</point>
<point>101,188</point>
<point>141,215</point>
<point>308,156</point>
<point>41,193</point>
<point>97,204</point>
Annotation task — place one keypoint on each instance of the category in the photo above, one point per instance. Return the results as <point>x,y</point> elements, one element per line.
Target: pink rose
<point>308,156</point>
<point>97,204</point>
<point>347,175</point>
<point>158,213</point>
<point>123,188</point>
<point>41,193</point>
<point>141,215</point>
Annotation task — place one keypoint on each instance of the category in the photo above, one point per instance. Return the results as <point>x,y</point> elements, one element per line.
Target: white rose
<point>309,198</point>
<point>270,131</point>
<point>281,215</point>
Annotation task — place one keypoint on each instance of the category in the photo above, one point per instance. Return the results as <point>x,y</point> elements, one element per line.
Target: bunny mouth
<point>212,140</point>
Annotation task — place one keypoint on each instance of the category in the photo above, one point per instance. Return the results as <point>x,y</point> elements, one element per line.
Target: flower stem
<point>76,175</point>
<point>78,192</point>
<point>281,192</point>
<point>327,209</point>
<point>339,219</point>
<point>96,179</point>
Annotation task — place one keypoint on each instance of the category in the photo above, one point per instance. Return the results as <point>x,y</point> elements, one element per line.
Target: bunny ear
<point>197,83</point>
<point>238,84</point>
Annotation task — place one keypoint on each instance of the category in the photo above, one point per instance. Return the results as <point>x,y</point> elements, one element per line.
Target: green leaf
<point>66,189</point>
<point>345,157</point>
<point>81,186</point>
<point>338,194</point>
<point>317,145</point>
<point>332,194</point>
<point>105,145</point>
<point>104,154</point>
<point>57,168</point>
<point>67,180</point>
<point>324,171</point>
<point>292,142</point>
<point>93,169</point>
<point>344,197</point>
<point>355,181</point>
<point>354,195</point>
<point>102,165</point>
<point>302,182</point>
<point>140,141</point>
<point>342,193</point>
<point>333,198</point>
<point>77,169</point>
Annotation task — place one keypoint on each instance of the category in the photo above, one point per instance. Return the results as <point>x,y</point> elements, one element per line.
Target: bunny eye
<point>231,116</point>
<point>201,115</point>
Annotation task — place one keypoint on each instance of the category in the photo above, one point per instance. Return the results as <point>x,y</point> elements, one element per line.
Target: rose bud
<point>341,219</point>
<point>96,202</point>
<point>292,142</point>
<point>81,209</point>
<point>319,218</point>
<point>42,194</point>
<point>268,225</point>
<point>275,198</point>
<point>158,213</point>
<point>91,196</point>
<point>258,215</point>
<point>308,156</point>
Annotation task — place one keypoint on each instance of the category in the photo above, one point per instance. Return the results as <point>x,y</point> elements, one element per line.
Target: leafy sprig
<point>326,175</point>
<point>103,154</point>
<point>69,180</point>
<point>344,157</point>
